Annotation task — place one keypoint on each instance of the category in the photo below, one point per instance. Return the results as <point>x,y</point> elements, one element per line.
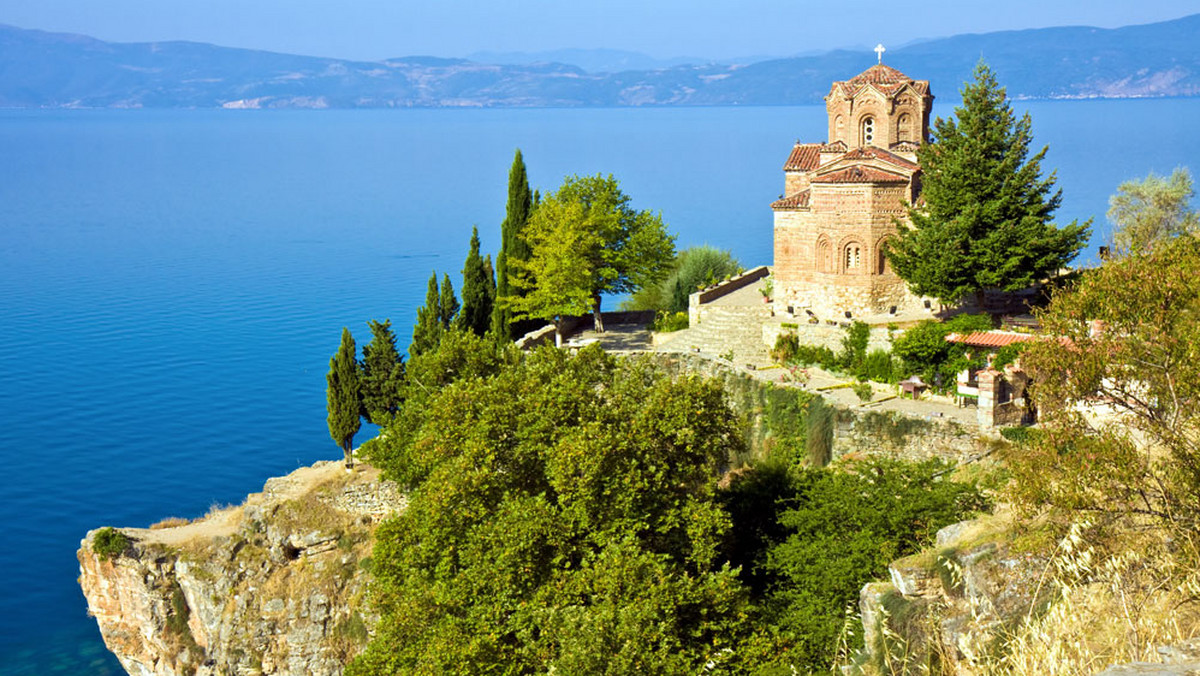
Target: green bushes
<point>694,269</point>
<point>109,542</point>
<point>924,350</point>
<point>666,322</point>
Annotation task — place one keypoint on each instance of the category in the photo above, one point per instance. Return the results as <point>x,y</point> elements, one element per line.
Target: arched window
<point>824,264</point>
<point>884,265</point>
<point>868,130</point>
<point>852,257</point>
<point>904,128</point>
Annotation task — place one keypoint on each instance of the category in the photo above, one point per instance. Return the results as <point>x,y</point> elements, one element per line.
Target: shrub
<point>817,354</point>
<point>878,366</point>
<point>854,345</point>
<point>694,269</point>
<point>787,346</point>
<point>109,542</point>
<point>863,391</point>
<point>666,322</point>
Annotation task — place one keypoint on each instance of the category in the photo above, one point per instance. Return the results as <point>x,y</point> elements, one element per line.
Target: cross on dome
<point>879,50</point>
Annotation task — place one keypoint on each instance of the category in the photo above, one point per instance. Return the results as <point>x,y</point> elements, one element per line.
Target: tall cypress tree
<point>342,396</point>
<point>427,332</point>
<point>512,242</point>
<point>447,304</point>
<point>476,314</point>
<point>382,374</point>
<point>489,277</point>
<point>986,218</point>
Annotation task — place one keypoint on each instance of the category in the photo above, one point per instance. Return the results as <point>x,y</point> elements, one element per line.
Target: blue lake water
<point>173,283</point>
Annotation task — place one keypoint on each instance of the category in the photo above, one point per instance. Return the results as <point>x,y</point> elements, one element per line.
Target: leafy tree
<point>342,396</point>
<point>1125,335</point>
<point>427,332</point>
<point>512,242</point>
<point>1151,211</point>
<point>625,249</point>
<point>563,519</point>
<point>924,350</point>
<point>381,374</point>
<point>984,220</point>
<point>477,293</point>
<point>693,268</point>
<point>447,304</point>
<point>556,280</point>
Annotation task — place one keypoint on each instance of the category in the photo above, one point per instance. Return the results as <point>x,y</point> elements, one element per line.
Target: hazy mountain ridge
<point>51,70</point>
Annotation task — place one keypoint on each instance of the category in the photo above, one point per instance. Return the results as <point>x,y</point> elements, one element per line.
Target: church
<point>842,198</point>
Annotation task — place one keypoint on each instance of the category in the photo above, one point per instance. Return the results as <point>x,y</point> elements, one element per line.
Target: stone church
<point>841,198</point>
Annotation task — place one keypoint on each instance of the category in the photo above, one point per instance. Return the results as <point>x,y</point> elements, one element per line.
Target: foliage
<point>667,322</point>
<point>863,391</point>
<point>565,520</point>
<point>381,374</point>
<point>693,269</point>
<point>854,346</point>
<point>1127,336</point>
<point>986,209</point>
<point>512,242</point>
<point>813,537</point>
<point>427,332</point>
<point>478,291</point>
<point>1007,355</point>
<point>924,350</point>
<point>556,281</point>
<point>109,542</point>
<point>447,304</point>
<point>787,345</point>
<point>623,249</point>
<point>1152,211</point>
<point>343,398</point>
<point>879,366</point>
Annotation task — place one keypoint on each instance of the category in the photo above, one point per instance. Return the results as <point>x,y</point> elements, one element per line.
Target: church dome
<point>884,78</point>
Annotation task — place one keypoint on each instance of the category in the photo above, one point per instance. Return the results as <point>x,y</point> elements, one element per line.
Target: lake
<point>173,283</point>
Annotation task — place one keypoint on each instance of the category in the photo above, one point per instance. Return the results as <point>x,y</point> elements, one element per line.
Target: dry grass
<point>170,522</point>
<point>1105,609</point>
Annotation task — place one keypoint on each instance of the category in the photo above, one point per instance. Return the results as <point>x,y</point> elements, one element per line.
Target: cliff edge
<point>272,586</point>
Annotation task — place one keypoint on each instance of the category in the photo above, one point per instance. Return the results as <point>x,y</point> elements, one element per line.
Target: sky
<point>379,29</point>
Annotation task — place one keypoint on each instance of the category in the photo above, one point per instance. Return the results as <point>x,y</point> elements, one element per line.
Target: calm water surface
<point>172,284</point>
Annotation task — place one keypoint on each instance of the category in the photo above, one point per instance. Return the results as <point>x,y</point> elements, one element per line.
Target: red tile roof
<point>860,174</point>
<point>871,152</point>
<point>884,78</point>
<point>804,157</point>
<point>989,338</point>
<point>797,201</point>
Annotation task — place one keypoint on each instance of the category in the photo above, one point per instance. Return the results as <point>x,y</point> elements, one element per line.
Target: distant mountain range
<point>55,70</point>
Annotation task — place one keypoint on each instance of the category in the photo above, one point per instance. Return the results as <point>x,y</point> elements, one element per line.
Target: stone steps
<point>724,329</point>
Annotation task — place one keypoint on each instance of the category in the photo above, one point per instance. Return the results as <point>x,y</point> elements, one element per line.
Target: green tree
<point>1126,336</point>
<point>427,332</point>
<point>556,281</point>
<point>447,304</point>
<point>626,250</point>
<point>512,242</point>
<point>342,396</point>
<point>1151,211</point>
<point>476,313</point>
<point>984,221</point>
<point>693,269</point>
<point>381,374</point>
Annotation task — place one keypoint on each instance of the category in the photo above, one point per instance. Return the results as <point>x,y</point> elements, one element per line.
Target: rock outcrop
<point>273,586</point>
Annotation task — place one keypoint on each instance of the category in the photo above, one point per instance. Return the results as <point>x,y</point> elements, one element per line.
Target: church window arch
<point>852,258</point>
<point>904,130</point>
<point>867,130</point>
<point>882,265</point>
<point>824,255</point>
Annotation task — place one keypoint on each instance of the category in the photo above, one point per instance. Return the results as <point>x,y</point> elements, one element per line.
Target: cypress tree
<point>382,374</point>
<point>512,242</point>
<point>342,396</point>
<point>489,278</point>
<point>428,331</point>
<point>447,304</point>
<point>986,218</point>
<point>476,314</point>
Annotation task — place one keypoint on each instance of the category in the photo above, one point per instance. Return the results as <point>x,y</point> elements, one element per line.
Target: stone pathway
<point>731,325</point>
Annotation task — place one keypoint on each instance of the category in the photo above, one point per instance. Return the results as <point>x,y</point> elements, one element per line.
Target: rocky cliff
<point>273,586</point>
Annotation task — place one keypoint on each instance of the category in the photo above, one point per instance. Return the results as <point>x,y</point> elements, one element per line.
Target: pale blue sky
<point>375,29</point>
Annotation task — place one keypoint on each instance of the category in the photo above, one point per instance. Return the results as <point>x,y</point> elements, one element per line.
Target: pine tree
<point>447,304</point>
<point>342,396</point>
<point>427,333</point>
<point>513,245</point>
<point>381,374</point>
<point>476,314</point>
<point>986,218</point>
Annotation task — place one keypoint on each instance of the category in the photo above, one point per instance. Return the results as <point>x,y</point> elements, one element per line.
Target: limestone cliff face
<point>273,586</point>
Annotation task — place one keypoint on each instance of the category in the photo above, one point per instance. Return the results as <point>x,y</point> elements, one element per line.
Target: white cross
<point>879,50</point>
